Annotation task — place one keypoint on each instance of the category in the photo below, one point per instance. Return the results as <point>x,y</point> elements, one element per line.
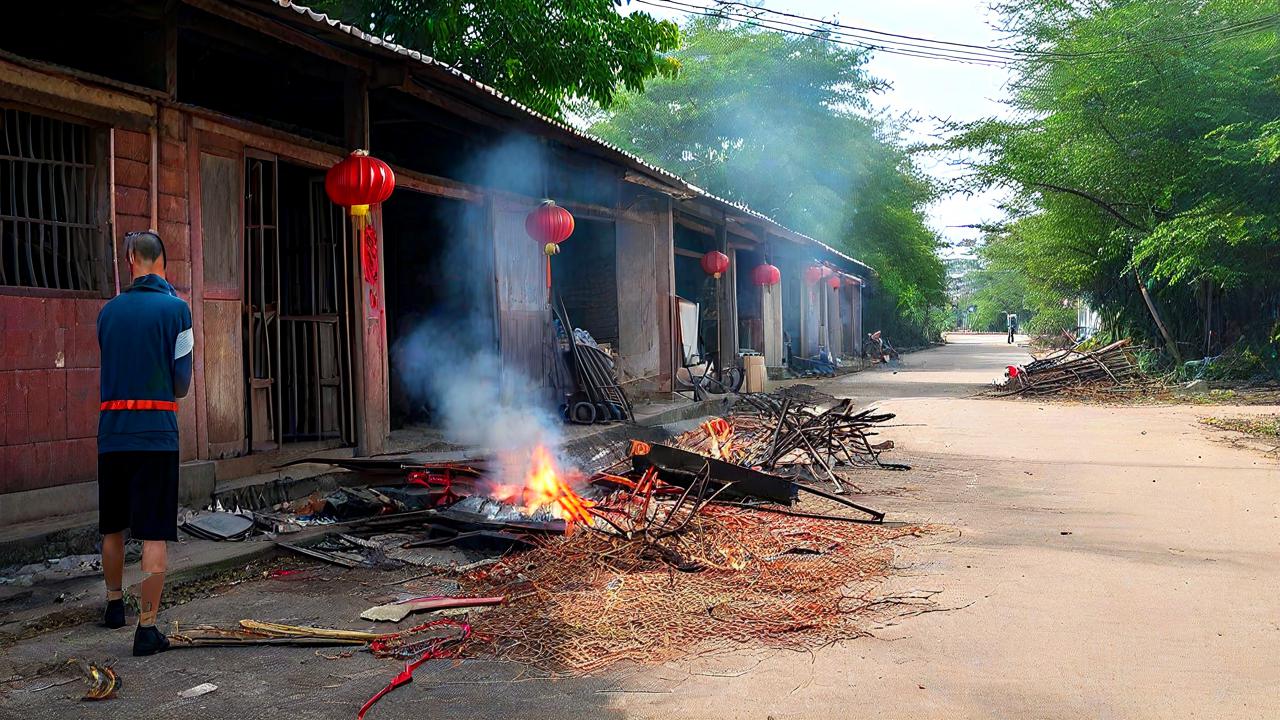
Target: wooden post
<point>666,268</point>
<point>727,303</point>
<point>171,52</point>
<point>369,336</point>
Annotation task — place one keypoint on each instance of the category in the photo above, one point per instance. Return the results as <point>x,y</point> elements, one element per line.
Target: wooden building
<point>212,122</point>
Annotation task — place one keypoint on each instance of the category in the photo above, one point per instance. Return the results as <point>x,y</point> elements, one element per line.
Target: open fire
<point>545,487</point>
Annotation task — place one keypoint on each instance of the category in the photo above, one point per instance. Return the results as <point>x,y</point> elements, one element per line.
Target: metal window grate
<point>50,233</point>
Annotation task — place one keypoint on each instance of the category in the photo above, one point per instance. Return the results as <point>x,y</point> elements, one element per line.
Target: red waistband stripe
<point>140,405</point>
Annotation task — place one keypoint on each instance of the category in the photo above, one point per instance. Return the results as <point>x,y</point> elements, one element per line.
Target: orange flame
<point>721,434</point>
<point>543,486</point>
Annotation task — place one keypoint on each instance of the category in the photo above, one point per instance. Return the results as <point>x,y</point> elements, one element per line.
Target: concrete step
<point>59,536</point>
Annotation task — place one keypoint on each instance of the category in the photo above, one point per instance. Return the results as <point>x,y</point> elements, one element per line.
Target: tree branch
<point>1096,201</point>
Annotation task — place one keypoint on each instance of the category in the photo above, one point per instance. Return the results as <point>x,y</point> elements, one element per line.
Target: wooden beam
<point>642,180</point>
<point>231,38</point>
<point>687,253</point>
<point>693,225</point>
<point>698,208</point>
<point>282,32</point>
<point>438,186</point>
<point>292,147</point>
<point>744,233</point>
<point>452,105</point>
<point>66,91</point>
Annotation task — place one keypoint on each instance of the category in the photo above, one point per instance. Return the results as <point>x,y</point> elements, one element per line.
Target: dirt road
<point>1103,562</point>
<point>1114,562</point>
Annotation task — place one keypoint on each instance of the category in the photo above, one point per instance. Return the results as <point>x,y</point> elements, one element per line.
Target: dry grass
<point>1155,392</point>
<point>1266,427</point>
<point>583,602</point>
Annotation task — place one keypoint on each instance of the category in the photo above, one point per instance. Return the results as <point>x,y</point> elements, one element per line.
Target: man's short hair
<point>146,245</point>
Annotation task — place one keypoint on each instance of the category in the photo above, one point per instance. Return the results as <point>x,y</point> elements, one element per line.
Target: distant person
<point>1012,321</point>
<point>146,341</point>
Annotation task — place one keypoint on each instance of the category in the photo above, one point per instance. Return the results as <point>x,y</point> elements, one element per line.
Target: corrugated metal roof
<point>634,160</point>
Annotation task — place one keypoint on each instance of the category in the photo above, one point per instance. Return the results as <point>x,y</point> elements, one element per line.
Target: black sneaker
<point>114,616</point>
<point>147,640</point>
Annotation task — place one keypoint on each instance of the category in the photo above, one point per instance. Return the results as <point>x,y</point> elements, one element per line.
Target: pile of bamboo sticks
<point>806,437</point>
<point>1112,365</point>
<point>803,435</point>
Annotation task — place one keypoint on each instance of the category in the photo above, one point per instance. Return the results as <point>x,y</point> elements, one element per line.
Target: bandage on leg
<point>149,600</point>
<point>154,558</point>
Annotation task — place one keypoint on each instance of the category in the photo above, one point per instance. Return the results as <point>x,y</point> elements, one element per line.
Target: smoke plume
<point>449,360</point>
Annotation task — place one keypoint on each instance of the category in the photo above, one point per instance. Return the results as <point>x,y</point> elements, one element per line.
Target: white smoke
<point>450,361</point>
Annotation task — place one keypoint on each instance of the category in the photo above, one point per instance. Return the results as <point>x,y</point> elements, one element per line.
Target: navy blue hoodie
<point>146,341</point>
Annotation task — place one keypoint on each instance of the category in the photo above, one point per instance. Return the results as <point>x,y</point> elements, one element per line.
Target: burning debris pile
<point>1113,366</point>
<point>674,549</point>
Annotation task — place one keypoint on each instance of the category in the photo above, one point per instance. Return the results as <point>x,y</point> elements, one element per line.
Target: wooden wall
<point>639,306</point>
<point>810,316</point>
<point>523,314</point>
<point>771,312</point>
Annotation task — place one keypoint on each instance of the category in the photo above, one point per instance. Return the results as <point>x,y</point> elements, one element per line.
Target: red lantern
<point>358,182</point>
<point>766,275</point>
<point>550,225</point>
<point>814,273</point>
<point>355,183</point>
<point>715,263</point>
<point>834,282</point>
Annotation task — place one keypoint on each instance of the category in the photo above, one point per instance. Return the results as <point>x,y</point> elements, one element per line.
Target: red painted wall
<point>49,353</point>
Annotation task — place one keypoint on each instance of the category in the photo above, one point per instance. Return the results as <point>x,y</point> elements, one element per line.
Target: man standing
<point>146,341</point>
<point>1012,319</point>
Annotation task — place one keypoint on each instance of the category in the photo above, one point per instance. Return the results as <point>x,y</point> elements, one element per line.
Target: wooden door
<point>523,312</point>
<point>221,191</point>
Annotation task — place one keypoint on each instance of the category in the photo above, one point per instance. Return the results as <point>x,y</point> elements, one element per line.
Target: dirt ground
<point>1106,562</point>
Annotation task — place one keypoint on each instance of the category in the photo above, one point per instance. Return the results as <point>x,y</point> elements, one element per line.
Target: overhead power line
<point>833,37</point>
<point>836,30</point>
<point>933,49</point>
<point>1256,23</point>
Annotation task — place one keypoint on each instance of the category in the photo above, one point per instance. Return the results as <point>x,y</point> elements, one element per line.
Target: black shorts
<point>138,491</point>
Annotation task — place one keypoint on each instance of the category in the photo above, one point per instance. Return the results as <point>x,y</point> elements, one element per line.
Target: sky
<point>931,89</point>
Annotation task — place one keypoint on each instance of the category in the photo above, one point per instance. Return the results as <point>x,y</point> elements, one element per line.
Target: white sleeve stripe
<point>186,341</point>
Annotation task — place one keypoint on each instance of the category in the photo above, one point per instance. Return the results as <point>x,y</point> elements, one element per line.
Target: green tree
<point>1143,162</point>
<point>999,283</point>
<point>782,123</point>
<point>544,53</point>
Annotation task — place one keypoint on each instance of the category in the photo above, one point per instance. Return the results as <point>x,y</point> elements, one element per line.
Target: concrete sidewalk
<point>28,610</point>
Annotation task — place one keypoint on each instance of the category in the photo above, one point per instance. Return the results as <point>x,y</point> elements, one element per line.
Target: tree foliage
<point>782,123</point>
<point>1145,148</point>
<point>544,53</point>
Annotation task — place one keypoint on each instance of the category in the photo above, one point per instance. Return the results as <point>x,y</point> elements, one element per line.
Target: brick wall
<point>48,391</point>
<point>49,358</point>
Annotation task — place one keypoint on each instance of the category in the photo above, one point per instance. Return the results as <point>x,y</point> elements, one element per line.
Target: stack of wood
<point>1113,365</point>
<point>797,435</point>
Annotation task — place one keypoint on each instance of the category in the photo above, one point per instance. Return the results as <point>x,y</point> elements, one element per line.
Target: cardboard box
<point>754,374</point>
